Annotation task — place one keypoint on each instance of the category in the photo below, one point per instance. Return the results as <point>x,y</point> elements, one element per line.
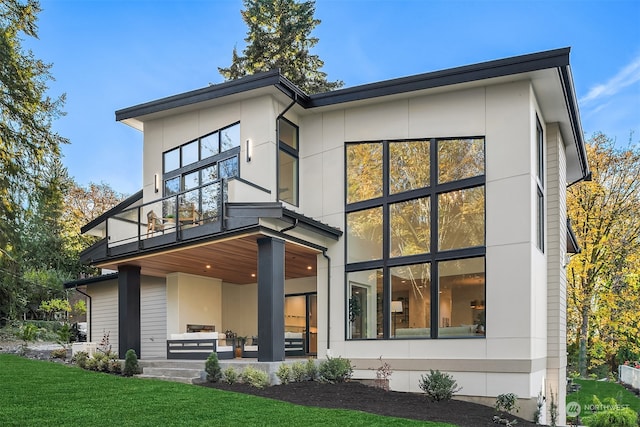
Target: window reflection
<point>171,160</point>
<point>461,219</point>
<point>229,138</point>
<point>364,171</point>
<point>286,181</point>
<point>409,165</point>
<point>209,145</point>
<point>364,235</point>
<point>410,224</point>
<point>460,159</point>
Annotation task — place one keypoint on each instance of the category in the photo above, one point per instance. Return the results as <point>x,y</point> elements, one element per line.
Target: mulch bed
<point>356,396</point>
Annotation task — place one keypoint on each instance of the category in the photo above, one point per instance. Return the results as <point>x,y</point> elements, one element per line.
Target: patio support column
<point>128,309</point>
<point>270,299</point>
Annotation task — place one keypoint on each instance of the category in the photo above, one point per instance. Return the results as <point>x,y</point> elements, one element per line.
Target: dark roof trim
<point>484,70</point>
<point>114,210</point>
<point>90,280</point>
<point>574,118</point>
<point>573,247</point>
<point>312,224</point>
<point>255,81</point>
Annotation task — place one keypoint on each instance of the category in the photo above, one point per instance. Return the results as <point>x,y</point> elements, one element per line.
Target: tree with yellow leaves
<point>602,280</point>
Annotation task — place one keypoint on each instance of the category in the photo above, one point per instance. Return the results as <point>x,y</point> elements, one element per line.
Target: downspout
<point>295,99</point>
<point>90,324</point>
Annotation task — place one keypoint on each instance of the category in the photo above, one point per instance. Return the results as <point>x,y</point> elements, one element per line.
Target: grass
<point>603,390</point>
<point>36,393</point>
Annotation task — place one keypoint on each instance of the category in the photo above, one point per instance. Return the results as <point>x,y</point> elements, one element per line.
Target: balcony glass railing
<point>172,214</point>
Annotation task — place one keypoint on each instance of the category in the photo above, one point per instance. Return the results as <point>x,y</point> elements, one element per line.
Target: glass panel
<point>462,295</point>
<point>189,153</point>
<point>288,133</point>
<point>540,153</point>
<point>171,160</point>
<point>209,145</point>
<point>209,174</point>
<point>295,314</point>
<point>410,224</point>
<point>211,202</point>
<point>191,180</point>
<point>460,158</point>
<point>364,307</point>
<point>411,301</point>
<point>364,235</point>
<point>288,178</point>
<point>461,219</point>
<point>540,221</point>
<point>229,167</point>
<point>172,186</point>
<point>230,137</point>
<point>408,165</point>
<point>364,171</point>
<point>313,324</point>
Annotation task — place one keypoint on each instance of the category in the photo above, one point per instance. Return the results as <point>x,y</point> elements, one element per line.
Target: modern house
<point>421,219</point>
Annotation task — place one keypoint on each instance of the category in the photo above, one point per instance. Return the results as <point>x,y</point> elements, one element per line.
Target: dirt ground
<point>360,397</point>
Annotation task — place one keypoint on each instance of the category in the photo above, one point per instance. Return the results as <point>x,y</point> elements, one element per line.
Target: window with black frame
<point>194,171</point>
<point>287,162</point>
<point>415,240</point>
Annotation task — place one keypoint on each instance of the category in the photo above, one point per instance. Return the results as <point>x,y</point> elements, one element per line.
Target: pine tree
<point>279,37</point>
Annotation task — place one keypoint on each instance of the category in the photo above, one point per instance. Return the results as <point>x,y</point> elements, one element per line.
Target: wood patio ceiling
<point>233,261</point>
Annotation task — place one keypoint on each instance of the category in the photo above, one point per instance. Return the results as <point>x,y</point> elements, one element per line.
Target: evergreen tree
<point>279,37</point>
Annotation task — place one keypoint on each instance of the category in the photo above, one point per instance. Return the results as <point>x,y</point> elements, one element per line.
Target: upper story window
<point>202,148</point>
<point>415,240</point>
<point>287,161</point>
<point>540,223</point>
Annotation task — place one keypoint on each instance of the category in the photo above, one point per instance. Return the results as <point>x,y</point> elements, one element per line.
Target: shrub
<point>131,366</point>
<point>27,334</point>
<point>298,372</point>
<point>623,417</point>
<point>91,364</point>
<point>115,367</point>
<point>507,402</point>
<point>58,353</point>
<point>383,373</point>
<point>212,367</point>
<point>64,335</point>
<point>438,386</point>
<point>312,370</point>
<point>80,359</point>
<point>284,374</point>
<point>255,377</point>
<point>335,370</point>
<point>230,375</point>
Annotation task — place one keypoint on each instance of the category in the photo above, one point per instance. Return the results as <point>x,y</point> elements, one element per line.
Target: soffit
<point>233,260</point>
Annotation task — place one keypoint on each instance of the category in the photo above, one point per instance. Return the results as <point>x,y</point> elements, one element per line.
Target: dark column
<point>270,299</point>
<point>128,309</point>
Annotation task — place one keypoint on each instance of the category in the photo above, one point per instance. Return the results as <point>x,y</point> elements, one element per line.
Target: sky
<point>109,55</point>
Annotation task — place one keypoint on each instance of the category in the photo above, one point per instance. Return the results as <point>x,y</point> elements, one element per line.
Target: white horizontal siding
<point>103,316</point>
<point>153,318</point>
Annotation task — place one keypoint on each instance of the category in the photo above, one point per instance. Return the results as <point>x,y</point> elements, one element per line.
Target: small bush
<point>230,375</point>
<point>115,367</point>
<point>507,402</point>
<point>58,353</point>
<point>298,372</point>
<point>624,417</point>
<point>255,377</point>
<point>438,386</point>
<point>212,367</point>
<point>312,370</point>
<point>91,364</point>
<point>80,359</point>
<point>335,370</point>
<point>284,374</point>
<point>131,366</point>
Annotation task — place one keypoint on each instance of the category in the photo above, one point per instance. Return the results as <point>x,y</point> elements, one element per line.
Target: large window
<point>287,162</point>
<point>194,169</point>
<point>415,241</point>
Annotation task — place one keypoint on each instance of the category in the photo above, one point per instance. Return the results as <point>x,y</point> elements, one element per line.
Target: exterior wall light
<point>248,150</point>
<point>156,182</point>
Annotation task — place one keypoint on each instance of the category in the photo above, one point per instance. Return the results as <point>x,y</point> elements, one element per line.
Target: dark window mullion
<point>386,239</point>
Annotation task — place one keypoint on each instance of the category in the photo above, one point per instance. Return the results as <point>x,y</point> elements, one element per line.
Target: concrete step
<point>173,372</point>
<point>177,371</point>
<point>172,379</point>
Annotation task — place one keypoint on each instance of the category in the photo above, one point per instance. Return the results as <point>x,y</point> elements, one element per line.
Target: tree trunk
<point>584,334</point>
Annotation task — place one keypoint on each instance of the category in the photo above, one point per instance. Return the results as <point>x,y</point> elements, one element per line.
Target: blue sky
<point>109,55</point>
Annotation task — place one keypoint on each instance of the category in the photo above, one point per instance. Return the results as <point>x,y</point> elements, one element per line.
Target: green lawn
<point>602,389</point>
<point>37,393</point>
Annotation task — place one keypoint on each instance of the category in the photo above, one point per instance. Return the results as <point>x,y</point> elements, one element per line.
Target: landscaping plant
<point>383,373</point>
<point>284,374</point>
<point>28,333</point>
<point>298,372</point>
<point>312,370</point>
<point>335,370</point>
<point>438,385</point>
<point>230,375</point>
<point>212,367</point>
<point>131,366</point>
<point>255,377</point>
<point>621,417</point>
